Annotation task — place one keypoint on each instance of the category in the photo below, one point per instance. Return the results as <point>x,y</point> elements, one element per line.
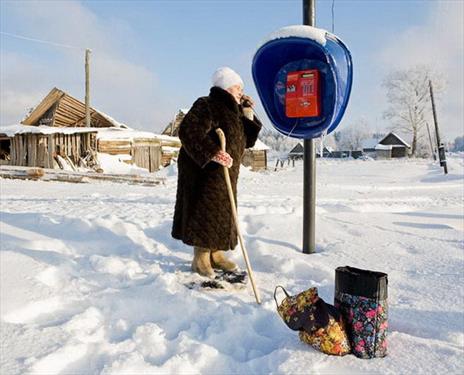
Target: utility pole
<point>430,140</point>
<point>87,88</point>
<point>441,148</point>
<point>309,174</point>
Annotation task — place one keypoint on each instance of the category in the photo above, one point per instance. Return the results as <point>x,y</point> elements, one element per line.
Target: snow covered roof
<point>109,134</point>
<point>383,147</point>
<point>298,149</point>
<point>170,149</point>
<point>163,137</point>
<point>373,143</point>
<point>11,130</point>
<point>123,133</point>
<point>112,120</point>
<point>260,146</point>
<point>398,137</point>
<point>301,31</point>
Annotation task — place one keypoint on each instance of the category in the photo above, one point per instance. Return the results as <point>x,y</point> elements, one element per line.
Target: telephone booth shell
<point>273,62</point>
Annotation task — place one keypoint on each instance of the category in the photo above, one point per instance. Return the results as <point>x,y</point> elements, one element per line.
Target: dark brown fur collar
<point>220,95</point>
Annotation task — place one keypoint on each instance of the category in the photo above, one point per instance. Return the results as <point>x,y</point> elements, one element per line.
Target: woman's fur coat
<point>203,215</point>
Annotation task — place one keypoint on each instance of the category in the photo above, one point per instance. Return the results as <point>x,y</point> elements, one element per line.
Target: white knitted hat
<point>225,77</point>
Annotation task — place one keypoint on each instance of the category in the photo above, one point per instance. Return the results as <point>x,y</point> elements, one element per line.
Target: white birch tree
<point>409,99</point>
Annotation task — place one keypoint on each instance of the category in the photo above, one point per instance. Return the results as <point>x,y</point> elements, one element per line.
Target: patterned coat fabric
<point>203,214</point>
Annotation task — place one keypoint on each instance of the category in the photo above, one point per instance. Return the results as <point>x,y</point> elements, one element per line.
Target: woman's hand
<point>247,101</point>
<point>247,106</point>
<point>223,158</point>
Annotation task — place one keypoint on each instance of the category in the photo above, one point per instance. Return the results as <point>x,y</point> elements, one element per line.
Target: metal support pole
<point>309,175</point>
<point>87,88</point>
<point>309,197</point>
<point>441,148</point>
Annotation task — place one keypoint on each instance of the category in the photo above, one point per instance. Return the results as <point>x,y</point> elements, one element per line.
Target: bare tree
<point>408,96</point>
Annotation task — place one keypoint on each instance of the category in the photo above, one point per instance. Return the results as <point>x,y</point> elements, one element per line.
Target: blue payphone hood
<point>301,47</point>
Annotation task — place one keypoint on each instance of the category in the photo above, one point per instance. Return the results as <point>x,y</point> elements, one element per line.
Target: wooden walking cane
<point>222,139</point>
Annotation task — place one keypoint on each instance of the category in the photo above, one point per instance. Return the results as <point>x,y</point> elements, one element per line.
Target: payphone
<point>303,76</point>
<point>302,98</point>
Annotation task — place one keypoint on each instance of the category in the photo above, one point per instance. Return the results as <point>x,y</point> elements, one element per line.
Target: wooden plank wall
<point>257,159</point>
<point>155,157</point>
<point>147,154</point>
<point>115,147</point>
<point>38,150</point>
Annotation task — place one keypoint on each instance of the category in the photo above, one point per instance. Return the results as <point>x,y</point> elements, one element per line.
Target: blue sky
<point>150,58</point>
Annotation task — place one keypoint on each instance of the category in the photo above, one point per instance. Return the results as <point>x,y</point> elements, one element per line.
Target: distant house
<point>173,127</point>
<point>390,146</point>
<point>399,146</point>
<point>296,152</point>
<point>256,157</point>
<point>326,152</point>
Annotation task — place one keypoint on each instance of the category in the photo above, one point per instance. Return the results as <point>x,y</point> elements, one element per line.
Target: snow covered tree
<point>328,141</point>
<point>409,99</point>
<point>353,136</point>
<point>276,141</point>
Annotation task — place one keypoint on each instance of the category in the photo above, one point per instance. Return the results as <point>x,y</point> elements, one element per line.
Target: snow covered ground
<point>89,273</point>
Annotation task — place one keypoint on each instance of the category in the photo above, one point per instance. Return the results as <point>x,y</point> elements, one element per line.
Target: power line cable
<point>333,16</point>
<point>41,41</point>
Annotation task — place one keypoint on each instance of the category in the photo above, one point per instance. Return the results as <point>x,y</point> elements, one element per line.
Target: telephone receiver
<point>245,102</point>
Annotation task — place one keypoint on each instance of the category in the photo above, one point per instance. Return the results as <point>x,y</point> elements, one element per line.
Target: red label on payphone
<point>302,98</point>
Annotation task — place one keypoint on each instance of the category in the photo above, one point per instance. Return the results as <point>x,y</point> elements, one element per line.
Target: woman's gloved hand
<point>223,158</point>
<point>248,113</point>
<point>247,101</point>
<point>247,106</point>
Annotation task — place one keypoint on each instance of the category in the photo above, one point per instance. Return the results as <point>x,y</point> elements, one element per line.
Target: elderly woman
<point>203,214</point>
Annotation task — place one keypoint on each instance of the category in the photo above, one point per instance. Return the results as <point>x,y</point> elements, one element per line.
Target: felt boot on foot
<point>201,263</point>
<point>218,260</point>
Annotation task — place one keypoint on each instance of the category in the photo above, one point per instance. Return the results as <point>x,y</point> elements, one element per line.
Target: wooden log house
<point>256,157</point>
<point>172,129</point>
<point>59,110</point>
<point>399,148</point>
<point>390,146</point>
